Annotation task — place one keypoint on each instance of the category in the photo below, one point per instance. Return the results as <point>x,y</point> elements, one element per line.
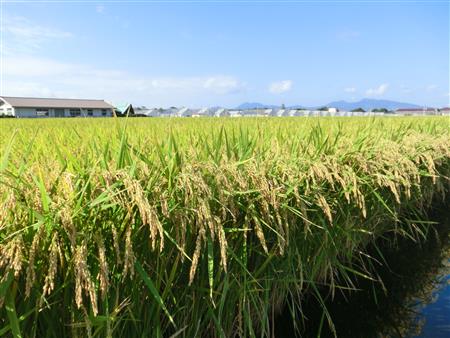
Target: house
<point>51,107</point>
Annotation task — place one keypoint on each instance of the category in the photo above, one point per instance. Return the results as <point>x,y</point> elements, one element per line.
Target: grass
<point>159,227</point>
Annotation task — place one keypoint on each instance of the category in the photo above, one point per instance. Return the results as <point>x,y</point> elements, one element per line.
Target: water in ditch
<point>432,308</point>
<point>414,303</point>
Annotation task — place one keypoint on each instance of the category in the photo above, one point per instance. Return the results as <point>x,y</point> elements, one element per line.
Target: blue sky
<point>216,53</point>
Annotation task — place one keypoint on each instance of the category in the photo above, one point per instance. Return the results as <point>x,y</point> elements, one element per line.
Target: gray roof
<point>35,102</point>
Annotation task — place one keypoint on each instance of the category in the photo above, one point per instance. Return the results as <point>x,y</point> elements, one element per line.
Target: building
<point>235,113</point>
<point>332,110</point>
<point>416,111</point>
<point>169,112</point>
<point>184,112</point>
<point>445,111</point>
<point>221,112</point>
<point>201,112</point>
<point>281,112</point>
<point>49,107</point>
<point>292,112</point>
<point>148,112</point>
<point>256,112</point>
<point>124,109</point>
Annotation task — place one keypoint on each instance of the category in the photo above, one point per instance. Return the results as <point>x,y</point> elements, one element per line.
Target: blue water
<point>434,313</point>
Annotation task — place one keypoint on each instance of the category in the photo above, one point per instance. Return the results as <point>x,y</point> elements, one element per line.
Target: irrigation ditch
<point>411,297</point>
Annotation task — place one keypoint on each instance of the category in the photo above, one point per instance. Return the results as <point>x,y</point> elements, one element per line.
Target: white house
<point>50,107</point>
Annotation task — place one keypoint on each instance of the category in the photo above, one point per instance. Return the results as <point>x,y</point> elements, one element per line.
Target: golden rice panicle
<point>31,269</point>
<point>11,255</point>
<point>83,281</point>
<point>129,257</point>
<point>103,273</point>
<point>49,283</point>
<point>196,255</point>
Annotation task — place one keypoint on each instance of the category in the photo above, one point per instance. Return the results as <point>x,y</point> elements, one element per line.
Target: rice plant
<point>160,227</point>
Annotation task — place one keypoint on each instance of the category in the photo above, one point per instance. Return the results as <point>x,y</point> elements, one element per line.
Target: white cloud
<point>100,9</point>
<point>350,90</point>
<point>22,35</point>
<point>280,87</point>
<point>378,91</point>
<point>33,76</point>
<point>25,73</point>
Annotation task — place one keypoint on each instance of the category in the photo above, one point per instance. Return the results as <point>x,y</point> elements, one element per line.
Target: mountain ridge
<point>366,104</point>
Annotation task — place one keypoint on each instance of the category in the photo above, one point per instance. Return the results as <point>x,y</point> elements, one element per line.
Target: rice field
<point>206,227</point>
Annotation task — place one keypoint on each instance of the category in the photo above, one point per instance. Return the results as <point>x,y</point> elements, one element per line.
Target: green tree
<point>380,110</point>
<point>358,110</point>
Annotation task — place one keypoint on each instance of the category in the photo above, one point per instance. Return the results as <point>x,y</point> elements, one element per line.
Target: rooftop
<point>36,102</point>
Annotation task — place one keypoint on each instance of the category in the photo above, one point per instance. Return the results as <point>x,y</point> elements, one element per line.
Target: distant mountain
<point>366,104</point>
<point>253,105</point>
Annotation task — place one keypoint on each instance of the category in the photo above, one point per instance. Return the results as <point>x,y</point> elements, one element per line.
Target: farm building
<point>256,112</point>
<point>292,112</point>
<point>124,109</point>
<point>184,112</point>
<point>221,112</point>
<point>50,107</point>
<point>235,113</point>
<point>144,111</point>
<point>281,112</point>
<point>202,112</point>
<point>332,110</point>
<point>416,111</point>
